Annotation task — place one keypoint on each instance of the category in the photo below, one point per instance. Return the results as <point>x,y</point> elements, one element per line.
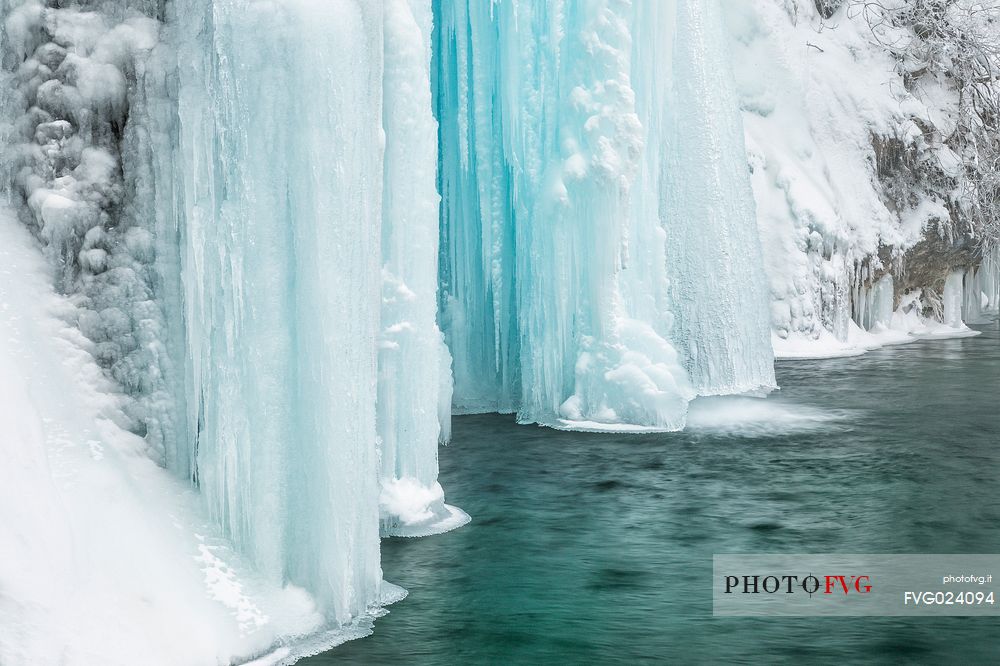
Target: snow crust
<point>809,110</point>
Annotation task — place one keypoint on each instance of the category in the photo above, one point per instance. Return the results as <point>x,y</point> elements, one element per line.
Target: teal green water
<point>598,547</point>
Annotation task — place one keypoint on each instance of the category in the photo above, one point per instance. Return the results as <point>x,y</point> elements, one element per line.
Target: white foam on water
<point>758,417</point>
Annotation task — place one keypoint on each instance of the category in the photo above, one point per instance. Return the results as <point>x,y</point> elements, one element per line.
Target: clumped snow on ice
<point>80,104</point>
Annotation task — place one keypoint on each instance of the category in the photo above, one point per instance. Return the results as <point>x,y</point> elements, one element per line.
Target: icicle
<point>873,306</point>
<point>477,296</point>
<point>952,300</point>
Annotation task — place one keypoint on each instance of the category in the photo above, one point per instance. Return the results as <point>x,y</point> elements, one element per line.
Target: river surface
<point>597,548</point>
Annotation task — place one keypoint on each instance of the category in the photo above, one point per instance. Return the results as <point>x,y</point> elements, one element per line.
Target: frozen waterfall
<point>294,226</point>
<point>601,264</point>
<point>299,234</point>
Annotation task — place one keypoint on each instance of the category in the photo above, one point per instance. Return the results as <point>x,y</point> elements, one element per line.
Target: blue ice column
<point>541,149</point>
<point>714,261</point>
<point>414,383</point>
<point>477,304</point>
<point>281,151</point>
<point>587,359</point>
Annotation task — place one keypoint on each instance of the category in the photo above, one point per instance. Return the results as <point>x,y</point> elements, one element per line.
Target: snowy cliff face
<point>859,191</point>
<point>106,559</point>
